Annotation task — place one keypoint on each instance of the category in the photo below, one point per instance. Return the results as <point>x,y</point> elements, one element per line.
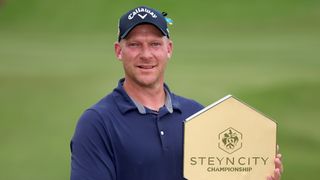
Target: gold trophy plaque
<point>228,140</point>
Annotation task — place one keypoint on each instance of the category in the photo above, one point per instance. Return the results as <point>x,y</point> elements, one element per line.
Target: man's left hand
<point>278,167</point>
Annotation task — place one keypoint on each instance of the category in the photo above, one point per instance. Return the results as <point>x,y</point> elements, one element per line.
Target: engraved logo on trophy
<point>230,140</point>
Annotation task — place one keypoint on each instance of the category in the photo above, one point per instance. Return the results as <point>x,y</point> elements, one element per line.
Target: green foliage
<point>56,59</point>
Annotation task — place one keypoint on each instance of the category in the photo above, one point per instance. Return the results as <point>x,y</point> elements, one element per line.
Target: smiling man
<point>136,131</point>
<point>144,54</point>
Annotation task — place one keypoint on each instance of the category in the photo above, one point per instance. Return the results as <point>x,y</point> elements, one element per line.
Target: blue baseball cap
<point>142,15</point>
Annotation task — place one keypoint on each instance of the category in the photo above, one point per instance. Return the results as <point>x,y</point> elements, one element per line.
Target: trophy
<point>228,140</point>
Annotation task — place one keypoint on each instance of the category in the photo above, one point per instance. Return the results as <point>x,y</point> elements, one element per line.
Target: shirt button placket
<point>161,133</point>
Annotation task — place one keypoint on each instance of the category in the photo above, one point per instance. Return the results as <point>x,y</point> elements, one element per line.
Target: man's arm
<point>92,155</point>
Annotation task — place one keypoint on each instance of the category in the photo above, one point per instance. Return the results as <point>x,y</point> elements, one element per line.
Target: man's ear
<point>169,49</point>
<point>118,50</point>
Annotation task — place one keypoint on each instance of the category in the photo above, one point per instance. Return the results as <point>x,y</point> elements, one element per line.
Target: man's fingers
<point>279,156</point>
<point>278,163</point>
<point>277,174</point>
<point>269,178</point>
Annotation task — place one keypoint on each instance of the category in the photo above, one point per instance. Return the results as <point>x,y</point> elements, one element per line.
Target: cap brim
<point>138,23</point>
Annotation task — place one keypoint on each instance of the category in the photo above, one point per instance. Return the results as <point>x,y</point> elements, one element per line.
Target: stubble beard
<point>143,81</point>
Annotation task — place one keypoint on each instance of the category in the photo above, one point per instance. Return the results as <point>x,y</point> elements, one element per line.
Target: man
<point>136,132</point>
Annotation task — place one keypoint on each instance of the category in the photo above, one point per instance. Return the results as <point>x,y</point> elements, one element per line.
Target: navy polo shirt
<point>119,139</point>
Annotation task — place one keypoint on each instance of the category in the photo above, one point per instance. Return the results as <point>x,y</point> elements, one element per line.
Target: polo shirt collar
<point>125,103</point>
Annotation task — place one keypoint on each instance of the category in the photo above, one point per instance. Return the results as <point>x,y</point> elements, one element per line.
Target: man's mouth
<point>146,66</point>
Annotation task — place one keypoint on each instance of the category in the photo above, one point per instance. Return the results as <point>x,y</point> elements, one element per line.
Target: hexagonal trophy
<point>228,140</point>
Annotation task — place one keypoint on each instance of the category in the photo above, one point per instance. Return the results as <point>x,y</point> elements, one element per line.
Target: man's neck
<point>150,97</point>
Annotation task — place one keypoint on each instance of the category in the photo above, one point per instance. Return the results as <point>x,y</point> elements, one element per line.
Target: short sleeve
<point>91,151</point>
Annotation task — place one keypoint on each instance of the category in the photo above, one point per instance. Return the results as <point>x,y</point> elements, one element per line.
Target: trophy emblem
<point>230,140</point>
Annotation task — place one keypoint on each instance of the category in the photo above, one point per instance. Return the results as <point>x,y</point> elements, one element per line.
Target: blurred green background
<point>56,59</point>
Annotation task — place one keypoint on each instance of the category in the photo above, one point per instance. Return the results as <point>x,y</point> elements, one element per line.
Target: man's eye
<point>133,44</point>
<point>155,44</point>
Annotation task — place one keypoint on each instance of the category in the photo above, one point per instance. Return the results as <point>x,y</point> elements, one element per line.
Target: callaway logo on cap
<point>141,15</point>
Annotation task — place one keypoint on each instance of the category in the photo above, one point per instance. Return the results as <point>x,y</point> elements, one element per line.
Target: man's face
<point>144,54</point>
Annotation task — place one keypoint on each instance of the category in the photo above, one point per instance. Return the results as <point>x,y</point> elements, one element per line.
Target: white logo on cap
<point>142,17</point>
<point>139,10</point>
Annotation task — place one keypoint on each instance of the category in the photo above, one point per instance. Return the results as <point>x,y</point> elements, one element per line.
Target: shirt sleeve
<point>91,152</point>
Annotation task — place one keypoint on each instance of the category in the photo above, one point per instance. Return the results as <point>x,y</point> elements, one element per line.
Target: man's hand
<point>278,167</point>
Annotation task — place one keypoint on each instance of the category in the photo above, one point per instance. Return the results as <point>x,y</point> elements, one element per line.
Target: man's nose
<point>146,52</point>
